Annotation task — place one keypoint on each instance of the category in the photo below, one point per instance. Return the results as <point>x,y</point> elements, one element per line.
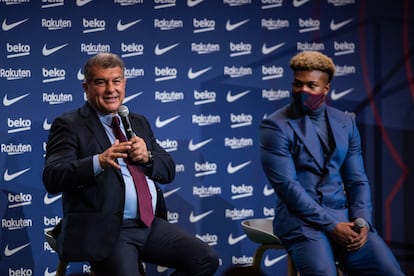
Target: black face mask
<point>308,102</point>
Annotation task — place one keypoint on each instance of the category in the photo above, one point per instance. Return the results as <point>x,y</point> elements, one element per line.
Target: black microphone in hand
<point>123,112</point>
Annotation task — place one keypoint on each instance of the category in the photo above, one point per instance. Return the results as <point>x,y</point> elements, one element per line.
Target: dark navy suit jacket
<point>93,205</point>
<point>313,191</point>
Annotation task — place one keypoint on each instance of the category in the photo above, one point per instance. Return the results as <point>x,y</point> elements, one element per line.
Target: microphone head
<point>123,111</point>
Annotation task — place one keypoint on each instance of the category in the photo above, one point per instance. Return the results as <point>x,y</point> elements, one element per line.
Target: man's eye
<point>100,82</point>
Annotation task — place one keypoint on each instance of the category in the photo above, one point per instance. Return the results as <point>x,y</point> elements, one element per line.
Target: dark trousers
<point>163,244</point>
<point>317,256</point>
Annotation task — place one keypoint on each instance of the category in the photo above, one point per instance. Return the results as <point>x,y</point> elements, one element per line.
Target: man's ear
<point>327,87</point>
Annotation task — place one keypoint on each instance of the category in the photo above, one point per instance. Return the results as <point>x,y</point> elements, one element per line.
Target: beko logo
<point>16,149</point>
<point>270,4</point>
<point>166,73</point>
<point>173,217</point>
<point>240,49</point>
<point>204,97</point>
<point>54,98</point>
<point>168,145</point>
<point>344,70</point>
<point>241,191</point>
<point>128,2</point>
<point>237,72</point>
<point>203,25</point>
<point>205,120</point>
<point>167,25</point>
<point>274,95</point>
<point>205,48</point>
<point>205,168</point>
<point>56,24</point>
<point>15,74</point>
<point>235,3</point>
<point>52,75</point>
<point>133,49</point>
<point>339,3</point>
<point>274,24</point>
<point>240,120</point>
<point>19,200</point>
<point>236,214</point>
<point>272,72</point>
<point>344,48</point>
<point>208,238</point>
<point>92,49</point>
<point>206,191</point>
<point>238,143</point>
<point>161,4</point>
<point>18,125</point>
<point>168,97</point>
<point>17,50</point>
<point>93,25</point>
<point>52,3</point>
<point>308,25</point>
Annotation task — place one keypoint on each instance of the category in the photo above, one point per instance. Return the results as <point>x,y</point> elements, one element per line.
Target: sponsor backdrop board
<point>204,72</point>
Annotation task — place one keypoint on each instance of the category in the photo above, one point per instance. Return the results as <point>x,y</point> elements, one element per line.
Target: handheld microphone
<point>358,224</point>
<point>123,112</point>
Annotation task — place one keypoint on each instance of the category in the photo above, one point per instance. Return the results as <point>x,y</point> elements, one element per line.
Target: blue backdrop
<point>204,72</point>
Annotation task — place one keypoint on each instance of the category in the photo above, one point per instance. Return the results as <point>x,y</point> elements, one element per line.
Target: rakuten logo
<point>274,95</point>
<point>237,214</point>
<point>56,24</point>
<point>16,149</point>
<point>205,120</point>
<point>237,72</point>
<point>168,97</point>
<point>15,74</point>
<point>206,191</point>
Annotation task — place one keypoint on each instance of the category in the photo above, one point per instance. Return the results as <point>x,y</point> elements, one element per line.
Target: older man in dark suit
<point>89,160</point>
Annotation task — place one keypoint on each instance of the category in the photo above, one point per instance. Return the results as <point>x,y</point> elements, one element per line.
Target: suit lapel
<point>306,133</point>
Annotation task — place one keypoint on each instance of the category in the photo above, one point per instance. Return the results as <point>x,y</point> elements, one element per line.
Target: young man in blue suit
<point>311,155</point>
<point>95,172</point>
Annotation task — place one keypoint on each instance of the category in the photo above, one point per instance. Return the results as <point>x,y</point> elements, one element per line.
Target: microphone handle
<point>127,126</point>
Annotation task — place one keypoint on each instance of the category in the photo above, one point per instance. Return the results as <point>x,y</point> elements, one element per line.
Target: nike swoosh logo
<point>9,252</point>
<point>162,123</point>
<point>46,125</point>
<point>268,191</point>
<point>298,3</point>
<point>336,26</point>
<point>193,75</point>
<point>81,3</point>
<point>122,27</point>
<point>336,96</point>
<point>231,169</point>
<point>160,51</point>
<point>169,193</point>
<point>193,147</point>
<point>9,177</point>
<point>127,99</point>
<point>7,27</point>
<point>232,98</point>
<point>194,219</point>
<point>235,240</point>
<point>267,50</point>
<point>231,27</point>
<point>161,269</point>
<point>49,200</point>
<point>8,102</point>
<point>49,273</point>
<point>193,3</point>
<point>47,52</point>
<point>269,262</point>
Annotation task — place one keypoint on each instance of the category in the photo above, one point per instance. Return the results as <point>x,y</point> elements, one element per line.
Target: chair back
<point>260,230</point>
